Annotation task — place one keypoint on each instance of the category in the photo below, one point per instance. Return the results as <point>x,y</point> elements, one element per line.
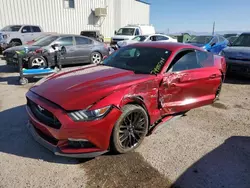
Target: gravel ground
<point>207,148</point>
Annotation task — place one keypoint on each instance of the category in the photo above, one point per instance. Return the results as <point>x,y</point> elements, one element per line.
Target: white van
<point>130,31</point>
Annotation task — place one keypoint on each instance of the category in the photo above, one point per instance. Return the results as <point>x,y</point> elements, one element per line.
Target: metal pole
<point>20,65</point>
<point>213,28</point>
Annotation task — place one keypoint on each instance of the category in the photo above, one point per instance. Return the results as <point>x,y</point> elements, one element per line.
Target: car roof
<point>171,46</point>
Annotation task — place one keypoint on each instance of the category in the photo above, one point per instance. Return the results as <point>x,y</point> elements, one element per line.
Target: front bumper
<point>236,66</point>
<point>56,139</point>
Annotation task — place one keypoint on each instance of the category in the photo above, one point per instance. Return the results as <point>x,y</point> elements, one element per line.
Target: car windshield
<point>126,31</point>
<point>242,40</point>
<point>141,60</point>
<point>200,39</point>
<point>12,28</point>
<point>140,38</point>
<point>45,41</point>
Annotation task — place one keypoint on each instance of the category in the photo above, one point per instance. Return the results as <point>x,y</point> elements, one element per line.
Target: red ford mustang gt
<point>114,105</point>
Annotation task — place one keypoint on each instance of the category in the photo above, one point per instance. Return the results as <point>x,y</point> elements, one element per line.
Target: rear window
<point>13,28</point>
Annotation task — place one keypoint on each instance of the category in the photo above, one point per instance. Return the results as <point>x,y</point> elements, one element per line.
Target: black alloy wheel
<point>130,129</point>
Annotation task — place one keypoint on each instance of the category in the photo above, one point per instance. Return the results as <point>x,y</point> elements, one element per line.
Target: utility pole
<point>213,28</point>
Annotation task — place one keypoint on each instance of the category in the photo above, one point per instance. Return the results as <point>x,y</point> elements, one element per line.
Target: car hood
<point>197,44</point>
<point>237,52</point>
<point>126,42</point>
<point>19,48</point>
<point>80,88</point>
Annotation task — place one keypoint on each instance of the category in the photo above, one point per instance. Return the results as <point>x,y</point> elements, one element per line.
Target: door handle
<point>213,76</point>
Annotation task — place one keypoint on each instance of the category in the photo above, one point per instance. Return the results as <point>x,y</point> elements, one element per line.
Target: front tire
<point>36,62</point>
<point>95,58</point>
<point>130,129</point>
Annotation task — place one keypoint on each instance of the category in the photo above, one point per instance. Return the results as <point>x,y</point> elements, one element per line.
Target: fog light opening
<point>80,143</point>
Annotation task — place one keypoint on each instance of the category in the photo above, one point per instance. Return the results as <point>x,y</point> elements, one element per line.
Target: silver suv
<point>15,35</point>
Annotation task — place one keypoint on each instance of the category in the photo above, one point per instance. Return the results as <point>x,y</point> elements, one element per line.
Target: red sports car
<point>114,105</point>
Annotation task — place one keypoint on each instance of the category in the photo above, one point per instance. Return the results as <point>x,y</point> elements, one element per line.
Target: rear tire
<point>130,129</point>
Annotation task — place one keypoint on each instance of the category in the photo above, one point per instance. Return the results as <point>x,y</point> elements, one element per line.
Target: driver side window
<point>186,60</point>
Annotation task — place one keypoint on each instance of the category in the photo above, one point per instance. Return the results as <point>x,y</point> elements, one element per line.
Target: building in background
<point>73,16</point>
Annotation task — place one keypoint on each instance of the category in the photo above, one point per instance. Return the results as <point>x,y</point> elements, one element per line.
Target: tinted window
<point>158,38</point>
<point>205,59</point>
<point>242,40</point>
<point>89,34</point>
<point>186,60</point>
<point>36,29</point>
<point>137,32</point>
<point>82,41</point>
<point>26,29</point>
<point>144,60</point>
<point>66,41</point>
<point>45,41</point>
<point>69,3</point>
<point>13,28</point>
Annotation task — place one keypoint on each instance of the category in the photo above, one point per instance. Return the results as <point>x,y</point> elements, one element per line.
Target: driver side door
<point>188,83</point>
<point>68,43</point>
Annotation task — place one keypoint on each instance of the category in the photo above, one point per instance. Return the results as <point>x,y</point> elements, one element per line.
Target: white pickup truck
<point>15,35</point>
<point>130,31</point>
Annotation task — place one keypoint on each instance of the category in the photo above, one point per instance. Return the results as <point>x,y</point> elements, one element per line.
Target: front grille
<point>239,68</point>
<point>43,115</point>
<point>49,139</point>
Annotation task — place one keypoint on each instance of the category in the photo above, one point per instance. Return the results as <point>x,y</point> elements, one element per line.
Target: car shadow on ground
<point>227,166</point>
<point>237,79</point>
<point>16,140</point>
<point>8,69</point>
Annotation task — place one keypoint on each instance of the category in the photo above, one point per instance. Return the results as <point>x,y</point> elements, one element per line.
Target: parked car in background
<point>147,38</point>
<point>230,35</point>
<point>210,43</point>
<point>238,55</point>
<point>113,106</point>
<point>232,39</point>
<point>93,34</point>
<point>78,49</point>
<point>130,31</point>
<point>16,35</point>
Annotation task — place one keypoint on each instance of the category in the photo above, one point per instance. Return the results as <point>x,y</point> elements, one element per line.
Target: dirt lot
<point>208,148</point>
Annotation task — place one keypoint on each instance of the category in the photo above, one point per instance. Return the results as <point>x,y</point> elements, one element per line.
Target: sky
<point>199,15</point>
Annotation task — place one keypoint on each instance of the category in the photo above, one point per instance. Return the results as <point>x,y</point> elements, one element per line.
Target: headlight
<point>5,36</point>
<point>88,115</point>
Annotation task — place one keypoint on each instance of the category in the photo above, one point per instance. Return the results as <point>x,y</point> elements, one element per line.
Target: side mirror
<point>115,32</point>
<point>54,46</point>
